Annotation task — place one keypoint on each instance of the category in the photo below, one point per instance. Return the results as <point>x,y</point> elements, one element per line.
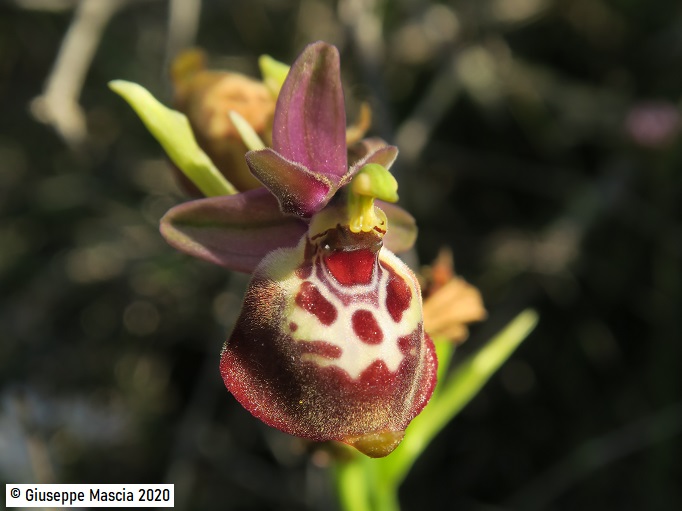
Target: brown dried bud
<point>206,97</point>
<point>450,302</point>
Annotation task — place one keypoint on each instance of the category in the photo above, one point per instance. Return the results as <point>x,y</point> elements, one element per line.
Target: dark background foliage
<point>540,140</point>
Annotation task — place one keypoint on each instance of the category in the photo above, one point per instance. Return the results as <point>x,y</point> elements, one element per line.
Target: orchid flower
<point>330,343</point>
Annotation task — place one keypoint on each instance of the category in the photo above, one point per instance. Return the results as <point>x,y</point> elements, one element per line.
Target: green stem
<point>361,488</point>
<point>386,497</point>
<point>366,484</point>
<point>454,393</point>
<point>352,485</point>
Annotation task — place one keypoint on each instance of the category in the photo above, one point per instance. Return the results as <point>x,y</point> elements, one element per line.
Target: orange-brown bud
<point>450,302</point>
<point>206,97</point>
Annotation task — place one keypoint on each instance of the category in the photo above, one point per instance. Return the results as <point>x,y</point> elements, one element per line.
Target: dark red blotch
<point>366,327</point>
<point>398,296</point>
<point>309,298</point>
<point>351,267</point>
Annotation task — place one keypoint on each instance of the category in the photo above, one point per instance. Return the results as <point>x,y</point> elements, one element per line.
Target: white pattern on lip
<point>356,354</point>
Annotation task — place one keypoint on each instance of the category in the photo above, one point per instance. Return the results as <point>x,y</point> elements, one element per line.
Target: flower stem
<point>352,485</point>
<point>361,489</point>
<point>454,393</point>
<point>366,484</point>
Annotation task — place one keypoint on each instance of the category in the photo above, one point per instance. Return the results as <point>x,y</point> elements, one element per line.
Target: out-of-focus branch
<point>414,132</point>
<point>363,23</point>
<point>36,446</point>
<point>183,24</point>
<point>46,5</point>
<point>597,453</point>
<point>361,17</point>
<point>58,105</point>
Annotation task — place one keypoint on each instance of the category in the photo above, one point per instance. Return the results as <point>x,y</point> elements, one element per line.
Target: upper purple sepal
<point>308,160</point>
<point>309,127</point>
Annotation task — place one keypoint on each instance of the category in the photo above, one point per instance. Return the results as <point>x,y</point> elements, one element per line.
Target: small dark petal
<point>363,148</point>
<point>299,191</point>
<point>377,152</point>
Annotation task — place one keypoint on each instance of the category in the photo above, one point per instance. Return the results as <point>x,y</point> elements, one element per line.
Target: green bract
<point>274,73</point>
<point>172,130</point>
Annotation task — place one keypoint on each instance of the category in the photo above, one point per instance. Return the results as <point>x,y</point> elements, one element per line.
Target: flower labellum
<point>329,344</point>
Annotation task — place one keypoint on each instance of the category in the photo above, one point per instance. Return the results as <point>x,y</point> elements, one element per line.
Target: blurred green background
<point>540,140</point>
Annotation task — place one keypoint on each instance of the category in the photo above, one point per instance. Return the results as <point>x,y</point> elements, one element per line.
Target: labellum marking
<point>398,298</point>
<point>352,267</point>
<point>329,311</point>
<point>366,327</point>
<point>310,299</point>
<point>348,380</point>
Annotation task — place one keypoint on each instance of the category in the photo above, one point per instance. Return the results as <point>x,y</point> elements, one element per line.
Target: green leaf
<point>365,483</point>
<point>173,132</point>
<point>444,351</point>
<point>454,393</point>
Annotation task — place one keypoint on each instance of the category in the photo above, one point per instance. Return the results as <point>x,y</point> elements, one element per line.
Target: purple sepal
<point>309,127</point>
<point>235,231</point>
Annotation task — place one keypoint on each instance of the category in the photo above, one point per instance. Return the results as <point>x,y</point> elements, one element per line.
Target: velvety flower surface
<point>330,343</point>
<point>338,351</point>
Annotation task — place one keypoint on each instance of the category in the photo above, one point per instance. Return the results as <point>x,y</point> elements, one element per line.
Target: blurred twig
<point>415,131</point>
<point>47,5</point>
<point>363,24</point>
<point>596,454</point>
<point>183,25</point>
<point>202,404</point>
<point>36,446</point>
<point>58,105</point>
